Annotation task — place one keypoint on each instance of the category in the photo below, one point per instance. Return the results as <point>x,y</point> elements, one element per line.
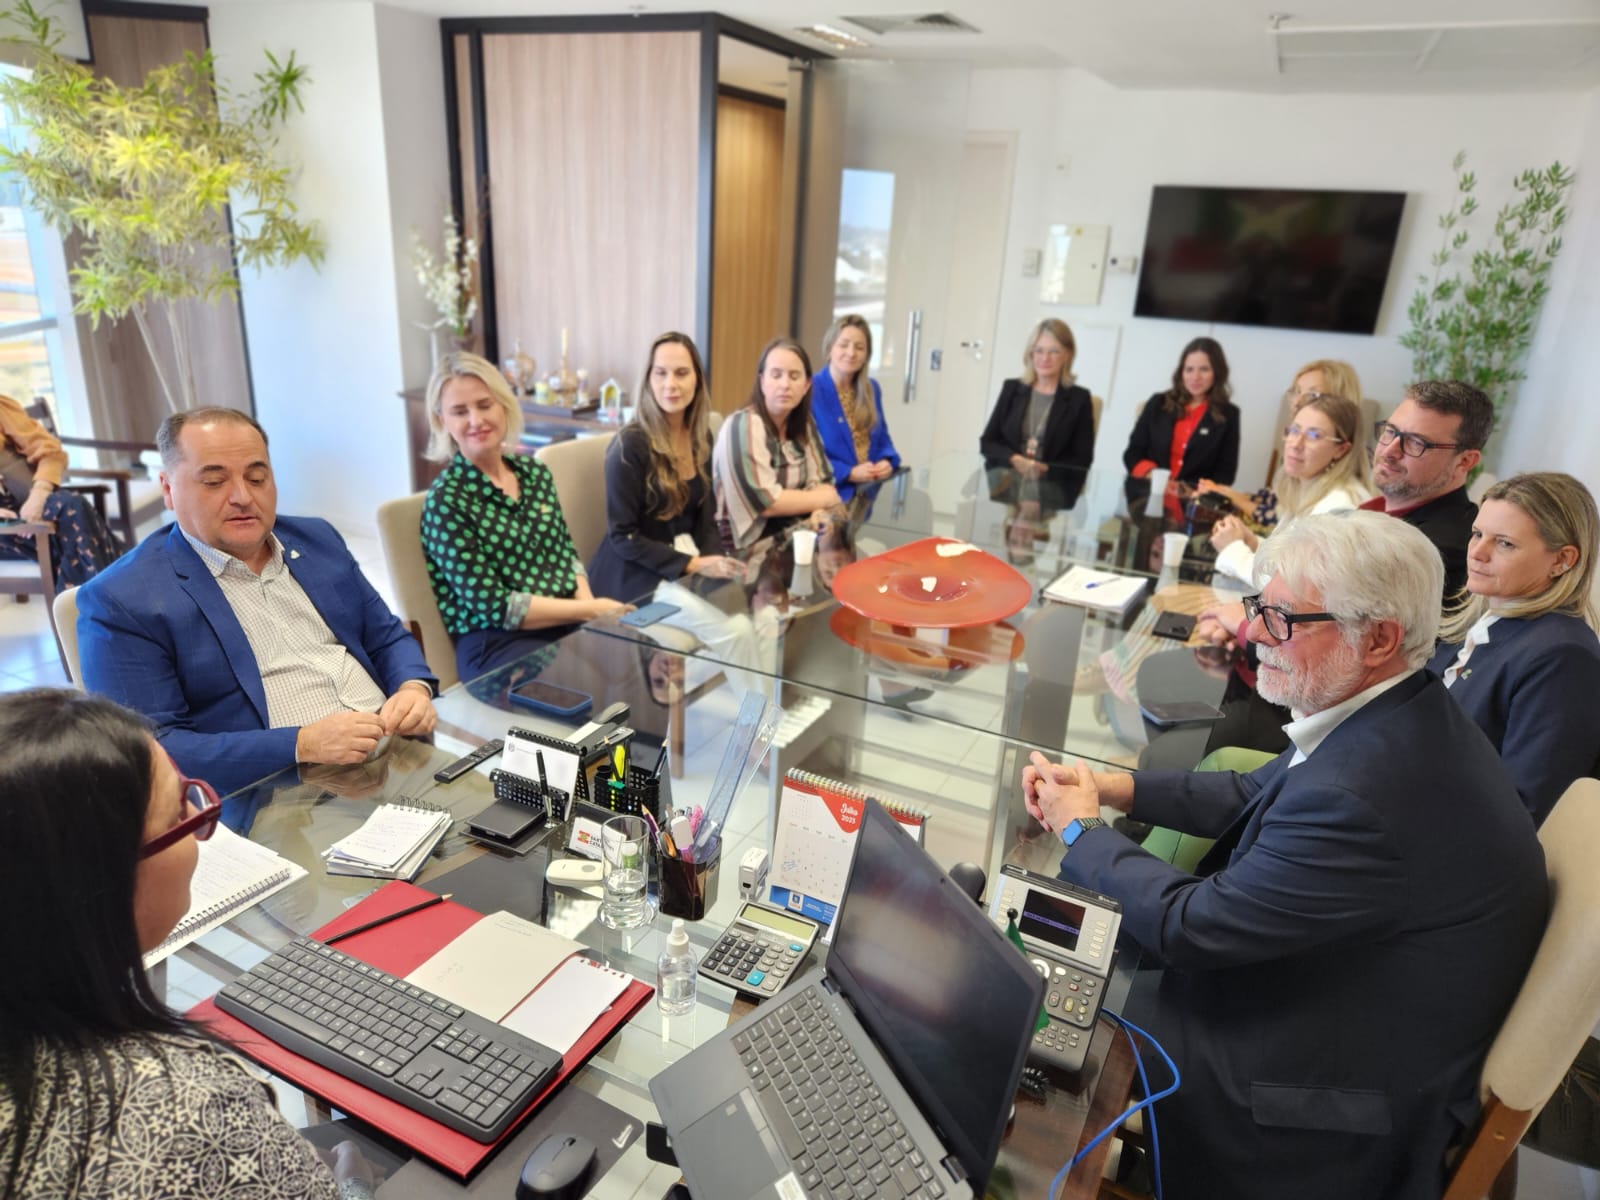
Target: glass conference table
<point>957,754</point>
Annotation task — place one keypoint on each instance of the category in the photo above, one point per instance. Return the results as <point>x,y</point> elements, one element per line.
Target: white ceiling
<point>1357,45</point>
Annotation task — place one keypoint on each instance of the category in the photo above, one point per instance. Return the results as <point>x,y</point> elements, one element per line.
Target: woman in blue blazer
<point>1520,653</point>
<point>847,406</point>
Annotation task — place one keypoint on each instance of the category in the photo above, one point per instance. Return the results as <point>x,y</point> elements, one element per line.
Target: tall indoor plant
<point>146,175</point>
<point>1475,321</point>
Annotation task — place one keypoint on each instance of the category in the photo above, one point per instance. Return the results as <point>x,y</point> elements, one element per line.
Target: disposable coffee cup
<point>1172,547</point>
<point>805,546</point>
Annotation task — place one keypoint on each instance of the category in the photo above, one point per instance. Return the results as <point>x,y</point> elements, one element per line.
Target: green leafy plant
<point>146,175</point>
<point>1477,324</point>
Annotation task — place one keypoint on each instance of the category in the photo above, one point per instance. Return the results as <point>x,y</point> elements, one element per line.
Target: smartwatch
<point>1076,826</point>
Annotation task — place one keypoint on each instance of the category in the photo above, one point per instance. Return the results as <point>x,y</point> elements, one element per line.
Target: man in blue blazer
<point>251,641</point>
<point>1338,965</point>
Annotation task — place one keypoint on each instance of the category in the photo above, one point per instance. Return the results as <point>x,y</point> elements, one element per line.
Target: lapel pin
<point>294,554</point>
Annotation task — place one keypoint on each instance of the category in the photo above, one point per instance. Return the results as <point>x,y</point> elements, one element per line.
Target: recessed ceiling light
<point>837,38</point>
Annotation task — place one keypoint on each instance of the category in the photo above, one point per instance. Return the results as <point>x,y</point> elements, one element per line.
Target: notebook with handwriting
<point>232,874</point>
<point>392,843</point>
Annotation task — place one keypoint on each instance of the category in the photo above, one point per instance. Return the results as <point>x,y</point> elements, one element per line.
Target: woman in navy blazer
<point>1519,653</point>
<point>847,347</point>
<point>1191,429</point>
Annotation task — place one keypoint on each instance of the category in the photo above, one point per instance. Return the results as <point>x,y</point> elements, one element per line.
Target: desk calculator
<point>761,950</point>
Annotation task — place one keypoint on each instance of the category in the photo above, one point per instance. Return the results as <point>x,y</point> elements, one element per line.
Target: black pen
<point>394,916</point>
<point>661,761</point>
<point>544,784</point>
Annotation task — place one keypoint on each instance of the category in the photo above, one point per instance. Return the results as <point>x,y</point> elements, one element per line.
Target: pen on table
<point>394,916</point>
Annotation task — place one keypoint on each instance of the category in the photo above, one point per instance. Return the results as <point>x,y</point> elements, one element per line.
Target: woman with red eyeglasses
<point>104,1091</point>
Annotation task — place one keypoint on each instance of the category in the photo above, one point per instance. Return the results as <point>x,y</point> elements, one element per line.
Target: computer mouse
<point>558,1169</point>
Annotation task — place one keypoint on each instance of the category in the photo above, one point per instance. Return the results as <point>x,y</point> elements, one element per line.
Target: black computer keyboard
<point>396,1039</point>
<point>837,1127</point>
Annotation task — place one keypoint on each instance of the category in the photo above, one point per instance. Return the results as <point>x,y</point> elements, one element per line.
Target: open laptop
<point>931,1011</point>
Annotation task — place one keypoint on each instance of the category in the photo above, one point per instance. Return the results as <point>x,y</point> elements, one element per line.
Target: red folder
<point>400,948</point>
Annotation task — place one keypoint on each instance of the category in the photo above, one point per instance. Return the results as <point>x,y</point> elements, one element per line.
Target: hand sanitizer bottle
<point>675,973</point>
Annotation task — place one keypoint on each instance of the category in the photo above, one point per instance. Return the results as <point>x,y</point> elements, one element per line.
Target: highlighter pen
<point>619,765</point>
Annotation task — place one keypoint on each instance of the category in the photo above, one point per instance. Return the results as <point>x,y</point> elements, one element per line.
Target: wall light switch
<point>1031,262</point>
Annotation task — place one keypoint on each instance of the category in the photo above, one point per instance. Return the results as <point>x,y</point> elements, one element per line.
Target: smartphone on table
<point>549,698</point>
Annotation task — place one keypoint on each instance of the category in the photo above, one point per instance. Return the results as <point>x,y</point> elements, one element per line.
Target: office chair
<point>65,611</point>
<point>579,468</point>
<point>1557,1007</point>
<point>400,532</point>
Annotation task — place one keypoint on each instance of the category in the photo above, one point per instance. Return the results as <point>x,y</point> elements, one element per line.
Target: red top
<point>1182,431</point>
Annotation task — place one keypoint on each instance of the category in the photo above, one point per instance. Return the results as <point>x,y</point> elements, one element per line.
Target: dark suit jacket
<point>1212,453</point>
<point>1337,968</point>
<point>1066,446</point>
<point>1531,691</point>
<point>636,553</point>
<point>1447,520</point>
<point>156,633</point>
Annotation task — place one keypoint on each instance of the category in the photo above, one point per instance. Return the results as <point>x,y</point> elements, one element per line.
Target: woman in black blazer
<point>1519,653</point>
<point>1191,429</point>
<point>1039,442</point>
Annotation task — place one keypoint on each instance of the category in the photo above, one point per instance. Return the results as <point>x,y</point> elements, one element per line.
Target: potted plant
<point>146,175</point>
<point>1476,322</point>
<point>447,281</point>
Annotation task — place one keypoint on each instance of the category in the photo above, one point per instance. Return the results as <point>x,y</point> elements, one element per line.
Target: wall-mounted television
<point>1269,256</point>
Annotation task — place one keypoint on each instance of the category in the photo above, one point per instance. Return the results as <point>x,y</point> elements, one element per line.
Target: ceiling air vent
<point>936,22</point>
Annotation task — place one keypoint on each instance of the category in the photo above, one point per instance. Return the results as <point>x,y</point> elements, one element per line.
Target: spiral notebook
<point>818,819</point>
<point>392,843</point>
<point>232,874</point>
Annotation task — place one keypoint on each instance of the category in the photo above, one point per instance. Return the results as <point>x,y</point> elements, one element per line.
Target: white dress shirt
<point>1309,732</point>
<point>1477,636</point>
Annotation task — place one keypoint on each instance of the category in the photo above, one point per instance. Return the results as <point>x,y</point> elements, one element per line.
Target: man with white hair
<point>1341,959</point>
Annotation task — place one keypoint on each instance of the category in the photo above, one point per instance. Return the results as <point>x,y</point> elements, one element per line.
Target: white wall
<point>1090,153</point>
<point>331,348</point>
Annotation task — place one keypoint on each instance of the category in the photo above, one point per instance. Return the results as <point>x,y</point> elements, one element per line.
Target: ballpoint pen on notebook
<point>384,920</point>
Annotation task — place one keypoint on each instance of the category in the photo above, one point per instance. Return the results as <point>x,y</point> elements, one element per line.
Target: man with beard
<point>1337,966</point>
<point>1424,452</point>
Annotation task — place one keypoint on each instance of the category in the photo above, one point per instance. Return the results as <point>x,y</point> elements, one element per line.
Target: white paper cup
<point>805,546</point>
<point>1172,547</point>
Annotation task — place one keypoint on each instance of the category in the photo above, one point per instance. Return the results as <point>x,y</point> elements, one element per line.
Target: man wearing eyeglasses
<point>1424,452</point>
<point>251,641</point>
<point>1338,964</point>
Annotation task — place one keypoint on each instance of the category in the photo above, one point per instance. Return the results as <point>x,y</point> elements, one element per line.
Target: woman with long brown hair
<point>1191,430</point>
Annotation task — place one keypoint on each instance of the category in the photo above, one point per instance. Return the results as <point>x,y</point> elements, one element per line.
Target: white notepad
<point>1104,590</point>
<point>232,874</point>
<point>392,843</point>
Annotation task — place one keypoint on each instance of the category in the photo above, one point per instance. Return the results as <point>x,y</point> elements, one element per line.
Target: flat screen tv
<point>1269,256</point>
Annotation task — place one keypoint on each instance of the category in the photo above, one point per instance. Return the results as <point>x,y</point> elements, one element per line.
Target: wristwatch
<point>1075,827</point>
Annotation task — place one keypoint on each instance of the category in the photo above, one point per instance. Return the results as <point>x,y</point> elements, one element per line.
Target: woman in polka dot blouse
<point>500,558</point>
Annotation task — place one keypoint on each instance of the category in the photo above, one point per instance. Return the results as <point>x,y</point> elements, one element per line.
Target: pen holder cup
<point>643,793</point>
<point>687,888</point>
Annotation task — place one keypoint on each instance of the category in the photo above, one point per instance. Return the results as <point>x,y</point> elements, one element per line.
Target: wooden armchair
<point>23,578</point>
<point>138,496</point>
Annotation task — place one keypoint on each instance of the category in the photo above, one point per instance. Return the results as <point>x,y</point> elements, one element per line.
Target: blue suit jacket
<point>1529,689</point>
<point>156,634</point>
<point>827,411</point>
<point>1337,968</point>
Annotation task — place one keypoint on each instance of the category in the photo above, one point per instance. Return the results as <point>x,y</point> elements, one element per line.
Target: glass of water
<point>624,844</point>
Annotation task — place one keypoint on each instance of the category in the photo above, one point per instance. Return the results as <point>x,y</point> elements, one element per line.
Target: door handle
<point>913,352</point>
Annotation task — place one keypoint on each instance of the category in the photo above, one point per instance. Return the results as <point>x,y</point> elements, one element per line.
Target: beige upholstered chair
<point>579,467</point>
<point>400,531</point>
<point>1558,1005</point>
<point>65,610</point>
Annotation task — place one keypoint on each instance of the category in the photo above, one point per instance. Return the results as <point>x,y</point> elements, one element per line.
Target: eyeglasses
<point>1413,445</point>
<point>201,798</point>
<point>1311,435</point>
<point>1280,622</point>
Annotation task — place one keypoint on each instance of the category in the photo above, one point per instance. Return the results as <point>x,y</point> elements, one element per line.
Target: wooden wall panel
<point>593,153</point>
<point>124,394</point>
<point>466,141</point>
<point>746,275</point>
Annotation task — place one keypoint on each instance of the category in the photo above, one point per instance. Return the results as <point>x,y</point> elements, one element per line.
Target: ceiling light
<point>834,37</point>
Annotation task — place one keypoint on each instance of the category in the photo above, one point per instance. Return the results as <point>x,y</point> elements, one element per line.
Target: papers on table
<point>231,875</point>
<point>393,843</point>
<point>492,966</point>
<point>567,1003</point>
<point>1104,590</point>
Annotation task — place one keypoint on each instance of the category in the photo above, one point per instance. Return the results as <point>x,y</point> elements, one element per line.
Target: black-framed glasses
<point>1412,445</point>
<point>205,810</point>
<point>1280,622</point>
<point>1314,436</point>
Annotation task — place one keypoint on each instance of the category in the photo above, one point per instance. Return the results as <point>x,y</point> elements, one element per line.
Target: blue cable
<point>1150,1098</point>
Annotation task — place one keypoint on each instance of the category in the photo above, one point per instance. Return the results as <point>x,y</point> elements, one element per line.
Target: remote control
<point>455,770</point>
<point>577,872</point>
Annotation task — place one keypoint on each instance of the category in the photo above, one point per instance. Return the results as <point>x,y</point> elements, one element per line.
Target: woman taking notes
<point>499,555</point>
<point>104,1091</point>
<point>848,408</point>
<point>1520,653</point>
<point>1326,468</point>
<point>1191,430</point>
<point>770,469</point>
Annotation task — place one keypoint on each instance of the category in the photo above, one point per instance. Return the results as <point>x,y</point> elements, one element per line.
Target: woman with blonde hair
<point>847,406</point>
<point>1039,443</point>
<point>500,556</point>
<point>1326,467</point>
<point>1519,651</point>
